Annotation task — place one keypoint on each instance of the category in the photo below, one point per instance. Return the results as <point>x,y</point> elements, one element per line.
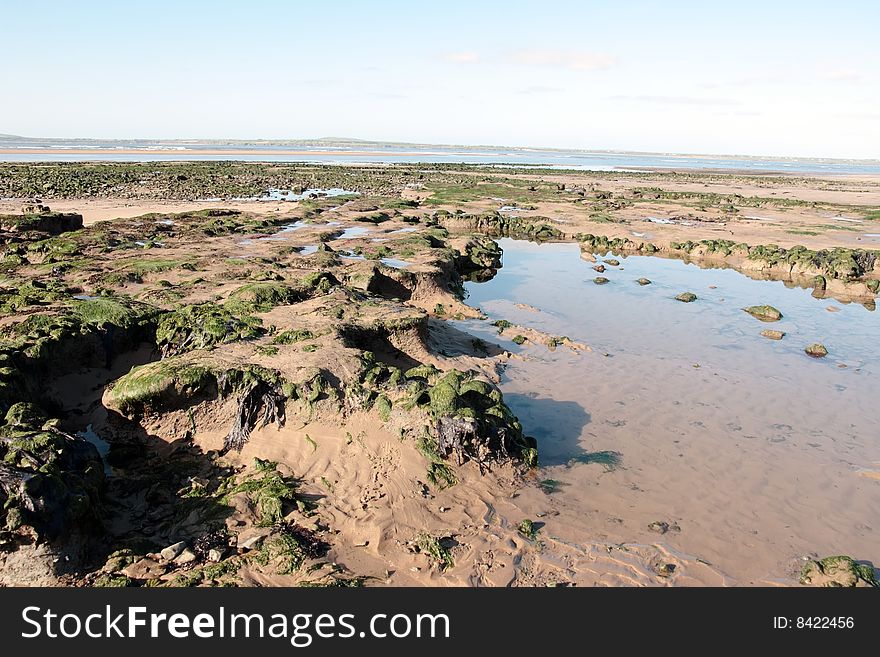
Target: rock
<point>613,262</point>
<point>215,555</point>
<point>773,335</point>
<point>172,551</point>
<point>686,297</point>
<point>838,571</point>
<point>665,569</point>
<point>599,268</point>
<point>661,527</point>
<point>600,280</point>
<point>144,569</point>
<point>252,538</point>
<point>817,350</point>
<point>185,557</point>
<point>643,281</point>
<point>764,313</point>
<point>252,543</point>
<point>586,255</point>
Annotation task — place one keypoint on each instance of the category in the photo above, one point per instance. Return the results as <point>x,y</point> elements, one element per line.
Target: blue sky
<point>780,78</point>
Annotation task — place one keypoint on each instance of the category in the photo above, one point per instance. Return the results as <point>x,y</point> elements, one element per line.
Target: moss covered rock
<point>838,571</point>
<point>765,313</point>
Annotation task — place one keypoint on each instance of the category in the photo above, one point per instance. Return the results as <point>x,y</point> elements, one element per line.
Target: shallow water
<point>100,444</point>
<point>387,153</point>
<point>684,412</point>
<point>288,195</point>
<point>353,231</point>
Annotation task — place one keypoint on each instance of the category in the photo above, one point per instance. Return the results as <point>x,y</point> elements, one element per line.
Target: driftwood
<point>262,404</point>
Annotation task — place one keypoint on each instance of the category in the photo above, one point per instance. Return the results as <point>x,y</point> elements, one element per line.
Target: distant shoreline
<point>200,151</point>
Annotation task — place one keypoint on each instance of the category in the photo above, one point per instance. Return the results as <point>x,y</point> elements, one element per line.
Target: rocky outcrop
<point>53,223</point>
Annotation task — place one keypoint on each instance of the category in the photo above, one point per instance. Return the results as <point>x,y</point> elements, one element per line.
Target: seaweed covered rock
<point>498,225</point>
<point>817,350</point>
<point>41,220</point>
<point>50,481</point>
<point>202,327</point>
<point>764,313</point>
<point>83,333</point>
<point>471,420</point>
<point>168,384</point>
<point>179,383</point>
<point>479,253</point>
<point>838,571</point>
<point>686,297</point>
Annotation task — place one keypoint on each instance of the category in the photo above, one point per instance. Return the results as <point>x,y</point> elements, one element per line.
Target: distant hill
<point>355,143</point>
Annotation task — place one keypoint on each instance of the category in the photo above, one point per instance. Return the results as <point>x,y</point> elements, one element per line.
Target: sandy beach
<point>402,362</point>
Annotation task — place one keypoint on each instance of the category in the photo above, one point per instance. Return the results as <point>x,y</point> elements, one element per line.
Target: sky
<point>754,78</point>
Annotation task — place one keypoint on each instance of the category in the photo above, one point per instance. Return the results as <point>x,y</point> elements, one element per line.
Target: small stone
<point>600,280</point>
<point>215,555</point>
<point>817,350</point>
<point>185,557</point>
<point>252,543</point>
<point>172,551</point>
<point>773,335</point>
<point>686,297</point>
<point>599,268</point>
<point>643,281</point>
<point>613,262</point>
<point>659,526</point>
<point>665,569</point>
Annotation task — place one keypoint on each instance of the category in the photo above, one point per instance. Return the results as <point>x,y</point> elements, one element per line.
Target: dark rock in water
<point>613,262</point>
<point>817,350</point>
<point>643,281</point>
<point>600,280</point>
<point>480,252</point>
<point>599,268</point>
<point>773,335</point>
<point>764,313</point>
<point>838,571</point>
<point>686,297</point>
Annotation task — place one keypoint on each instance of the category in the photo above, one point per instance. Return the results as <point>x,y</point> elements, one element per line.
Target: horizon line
<point>301,140</point>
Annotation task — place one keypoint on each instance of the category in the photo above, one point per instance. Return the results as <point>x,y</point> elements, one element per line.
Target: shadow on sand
<point>558,427</point>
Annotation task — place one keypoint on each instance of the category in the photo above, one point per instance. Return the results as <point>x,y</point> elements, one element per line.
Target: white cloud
<point>461,57</point>
<point>680,100</point>
<point>571,59</point>
<point>839,75</point>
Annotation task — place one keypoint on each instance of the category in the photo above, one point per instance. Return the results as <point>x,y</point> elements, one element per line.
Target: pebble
<point>185,557</point>
<point>172,551</point>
